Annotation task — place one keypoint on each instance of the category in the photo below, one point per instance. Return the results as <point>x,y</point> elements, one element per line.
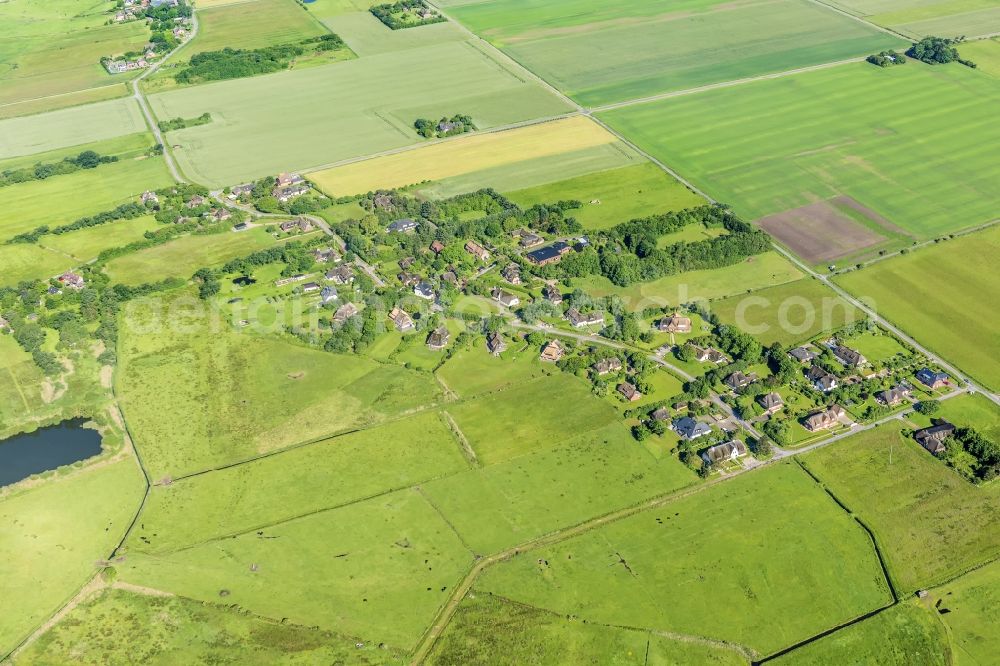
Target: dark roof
<point>546,253</point>
<point>689,428</point>
<point>928,376</point>
<point>802,354</point>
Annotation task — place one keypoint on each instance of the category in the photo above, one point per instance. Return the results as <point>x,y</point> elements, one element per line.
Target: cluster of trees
<point>938,50</point>
<point>180,123</point>
<point>88,159</point>
<point>230,63</point>
<point>406,14</point>
<point>126,211</point>
<point>887,59</point>
<point>984,454</point>
<point>458,124</point>
<point>327,42</point>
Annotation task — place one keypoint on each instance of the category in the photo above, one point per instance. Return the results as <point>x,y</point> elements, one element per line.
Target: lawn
<point>85,244</point>
<point>601,53</point>
<point>253,25</point>
<point>755,273</point>
<point>374,108</point>
<point>945,18</point>
<point>509,503</point>
<point>54,48</point>
<point>778,145</point>
<point>377,570</point>
<point>905,635</point>
<point>473,370</point>
<point>68,524</point>
<point>621,194</point>
<point>971,410</point>
<point>940,295</point>
<point>974,604</point>
<point>297,482</point>
<point>163,629</point>
<point>488,630</point>
<point>531,417</point>
<point>930,523</point>
<point>718,552</point>
<point>485,160</point>
<point>183,256</point>
<point>199,395</point>
<point>73,126</point>
<point>788,313</point>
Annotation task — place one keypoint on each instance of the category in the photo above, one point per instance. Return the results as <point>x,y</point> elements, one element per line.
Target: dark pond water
<point>46,448</point>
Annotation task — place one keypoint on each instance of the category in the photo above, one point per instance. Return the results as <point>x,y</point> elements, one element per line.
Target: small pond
<point>46,449</point>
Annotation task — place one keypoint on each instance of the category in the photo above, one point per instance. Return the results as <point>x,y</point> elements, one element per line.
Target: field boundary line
<point>20,391</point>
<point>467,451</point>
<point>861,19</point>
<point>425,497</point>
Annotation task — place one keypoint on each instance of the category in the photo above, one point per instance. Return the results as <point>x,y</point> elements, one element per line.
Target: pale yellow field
<point>463,155</point>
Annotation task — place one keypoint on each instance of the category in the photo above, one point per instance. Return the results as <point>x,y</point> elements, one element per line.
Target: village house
<point>738,381</point>
<point>149,197</point>
<point>328,295</point>
<point>402,226</point>
<point>675,323</point>
<point>445,125</point>
<point>511,273</point>
<point>548,255</point>
<point>239,191</point>
<point>848,356</point>
<point>803,354</point>
<point>477,250</point>
<point>579,319</point>
<point>323,255</point>
<point>401,320</point>
<point>219,214</point>
<point>504,298</point>
<point>660,414</point>
<point>690,429</point>
<point>824,420</point>
<point>383,201</point>
<point>771,402</point>
<point>437,247</point>
<point>71,280</point>
<point>289,280</point>
<point>495,344</point>
<point>310,287</point>
<point>450,278</point>
<point>288,179</point>
<point>529,240</point>
<point>424,290</point>
<point>340,275</point>
<point>607,365</point>
<point>552,294</point>
<point>552,352</point>
<point>933,438</point>
<point>409,279</point>
<point>709,355</point>
<point>241,226</point>
<point>894,396</point>
<point>821,379</point>
<point>406,262</point>
<point>629,392</point>
<point>438,339</point>
<point>284,194</point>
<point>726,452</point>
<point>932,379</point>
<point>300,223</point>
<point>196,201</point>
<point>344,312</point>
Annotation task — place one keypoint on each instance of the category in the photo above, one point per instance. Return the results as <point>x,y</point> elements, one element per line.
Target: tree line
<point>88,159</point>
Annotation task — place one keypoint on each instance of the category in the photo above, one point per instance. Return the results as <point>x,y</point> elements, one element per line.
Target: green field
<point>54,48</point>
<point>600,53</point>
<point>772,146</point>
<point>28,262</point>
<point>940,295</point>
<point>789,313</point>
<point>197,395</point>
<point>973,601</point>
<point>930,523</point>
<point>69,524</point>
<point>374,106</point>
<point>70,127</point>
<point>491,630</point>
<point>944,18</point>
<point>756,273</point>
<point>625,193</point>
<point>252,25</point>
<point>716,553</point>
<point>86,244</point>
<point>985,53</point>
<point>163,629</point>
<point>472,371</point>
<point>905,635</point>
<point>367,36</point>
<point>377,570</point>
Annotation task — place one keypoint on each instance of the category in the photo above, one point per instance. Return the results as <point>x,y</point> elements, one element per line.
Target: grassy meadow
<point>85,244</point>
<point>985,53</point>
<point>930,522</point>
<point>973,601</point>
<point>622,194</point>
<point>29,262</point>
<point>160,629</point>
<point>367,36</point>
<point>343,111</point>
<point>252,25</point>
<point>680,566</point>
<point>600,53</point>
<point>940,296</point>
<point>771,146</point>
<point>69,525</point>
<point>472,371</point>
<point>68,127</point>
<point>945,18</point>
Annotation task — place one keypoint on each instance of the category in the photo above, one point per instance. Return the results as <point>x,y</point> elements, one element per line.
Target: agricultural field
<point>788,313</point>
<point>985,53</point>
<point>42,104</point>
<point>70,523</point>
<point>947,18</point>
<point>69,127</point>
<point>940,295</point>
<point>155,628</point>
<point>971,603</point>
<point>367,36</point>
<point>54,49</point>
<point>487,160</point>
<point>25,262</point>
<point>613,196</point>
<point>784,145</point>
<point>931,524</point>
<point>84,245</point>
<point>184,377</point>
<point>252,25</point>
<point>600,53</point>
<point>672,568</point>
<point>470,372</point>
<point>375,109</point>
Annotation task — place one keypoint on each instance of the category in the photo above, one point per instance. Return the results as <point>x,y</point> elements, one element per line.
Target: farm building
<point>548,255</point>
